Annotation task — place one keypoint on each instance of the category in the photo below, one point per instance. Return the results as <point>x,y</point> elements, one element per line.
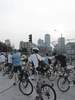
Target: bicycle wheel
<point>26,87</point>
<point>63,84</point>
<point>48,92</point>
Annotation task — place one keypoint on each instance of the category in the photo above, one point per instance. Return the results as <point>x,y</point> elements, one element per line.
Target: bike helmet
<point>35,50</point>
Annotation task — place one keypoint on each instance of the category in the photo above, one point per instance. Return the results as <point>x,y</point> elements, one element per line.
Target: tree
<point>4,47</point>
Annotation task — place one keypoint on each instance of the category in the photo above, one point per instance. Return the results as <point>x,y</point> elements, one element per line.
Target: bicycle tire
<point>27,83</point>
<point>52,89</point>
<point>63,82</point>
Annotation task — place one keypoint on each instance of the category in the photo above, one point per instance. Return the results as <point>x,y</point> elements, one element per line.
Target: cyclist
<point>16,61</point>
<point>34,59</point>
<point>62,59</point>
<point>2,61</point>
<point>9,61</point>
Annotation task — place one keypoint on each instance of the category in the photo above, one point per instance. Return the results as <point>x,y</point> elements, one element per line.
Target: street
<point>13,92</point>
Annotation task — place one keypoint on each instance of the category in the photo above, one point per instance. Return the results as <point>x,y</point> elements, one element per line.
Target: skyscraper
<point>40,43</point>
<point>47,40</point>
<point>8,43</point>
<point>61,44</point>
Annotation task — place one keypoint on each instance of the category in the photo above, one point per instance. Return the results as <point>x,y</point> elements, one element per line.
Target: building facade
<point>27,47</point>
<point>47,40</point>
<point>70,50</point>
<point>40,43</point>
<point>61,45</point>
<point>8,43</point>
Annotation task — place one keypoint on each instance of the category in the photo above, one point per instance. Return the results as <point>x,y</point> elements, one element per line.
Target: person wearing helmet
<point>16,61</point>
<point>62,59</point>
<point>34,59</point>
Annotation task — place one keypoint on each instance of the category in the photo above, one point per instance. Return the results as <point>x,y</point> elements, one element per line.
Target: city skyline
<point>19,18</point>
<point>53,40</point>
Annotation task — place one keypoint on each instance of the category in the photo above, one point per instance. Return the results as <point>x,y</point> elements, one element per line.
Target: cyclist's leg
<point>2,66</point>
<point>20,72</point>
<point>14,74</point>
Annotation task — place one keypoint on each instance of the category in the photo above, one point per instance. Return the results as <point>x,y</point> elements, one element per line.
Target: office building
<point>47,40</point>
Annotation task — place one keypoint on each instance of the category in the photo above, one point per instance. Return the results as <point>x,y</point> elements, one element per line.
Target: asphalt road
<point>14,94</point>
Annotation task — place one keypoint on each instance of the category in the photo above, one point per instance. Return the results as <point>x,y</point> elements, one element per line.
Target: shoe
<point>14,84</point>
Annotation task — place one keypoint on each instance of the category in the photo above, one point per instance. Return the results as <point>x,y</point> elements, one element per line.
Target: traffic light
<point>30,38</point>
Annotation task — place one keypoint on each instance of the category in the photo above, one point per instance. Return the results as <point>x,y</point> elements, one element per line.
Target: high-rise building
<point>40,43</point>
<point>47,40</point>
<point>44,45</point>
<point>61,44</point>
<point>8,43</point>
<point>22,44</point>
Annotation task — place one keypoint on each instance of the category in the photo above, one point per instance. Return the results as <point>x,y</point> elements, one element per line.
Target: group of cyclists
<point>33,67</point>
<point>12,61</point>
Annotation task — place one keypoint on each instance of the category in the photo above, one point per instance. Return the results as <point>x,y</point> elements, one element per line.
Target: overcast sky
<point>18,18</point>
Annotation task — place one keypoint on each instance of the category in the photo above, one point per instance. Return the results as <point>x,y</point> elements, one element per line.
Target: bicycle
<point>44,90</point>
<point>24,82</point>
<point>64,82</point>
<point>54,71</point>
<point>57,67</point>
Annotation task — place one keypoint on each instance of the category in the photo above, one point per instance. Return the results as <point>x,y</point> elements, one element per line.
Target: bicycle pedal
<point>14,84</point>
